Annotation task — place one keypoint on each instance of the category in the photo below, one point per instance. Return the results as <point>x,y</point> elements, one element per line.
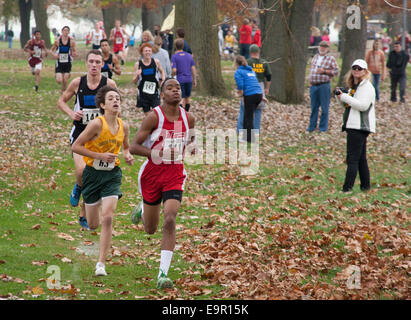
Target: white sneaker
<point>100,269</point>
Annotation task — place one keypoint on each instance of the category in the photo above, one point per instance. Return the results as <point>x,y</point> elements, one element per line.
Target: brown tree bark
<point>40,15</point>
<point>204,41</point>
<point>25,9</point>
<point>286,36</point>
<point>354,40</point>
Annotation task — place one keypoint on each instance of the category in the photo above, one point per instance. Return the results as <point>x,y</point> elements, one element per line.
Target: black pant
<point>250,104</point>
<point>357,159</point>
<point>396,79</point>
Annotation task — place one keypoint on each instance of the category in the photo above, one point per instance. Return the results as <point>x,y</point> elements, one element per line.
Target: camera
<point>338,89</point>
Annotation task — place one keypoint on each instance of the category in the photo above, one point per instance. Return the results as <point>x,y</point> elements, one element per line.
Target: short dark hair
<point>65,28</point>
<point>179,44</point>
<point>180,32</point>
<point>397,42</point>
<point>103,40</point>
<point>94,51</point>
<point>35,31</point>
<point>164,83</point>
<point>101,95</point>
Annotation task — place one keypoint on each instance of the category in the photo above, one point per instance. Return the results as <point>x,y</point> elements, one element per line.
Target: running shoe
<point>83,223</point>
<point>136,213</point>
<point>75,195</point>
<point>100,269</point>
<point>164,282</point>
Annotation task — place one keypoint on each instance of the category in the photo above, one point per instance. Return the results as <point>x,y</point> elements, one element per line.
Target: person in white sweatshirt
<point>358,122</point>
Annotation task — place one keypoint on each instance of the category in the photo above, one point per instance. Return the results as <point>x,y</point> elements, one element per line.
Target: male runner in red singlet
<point>162,138</point>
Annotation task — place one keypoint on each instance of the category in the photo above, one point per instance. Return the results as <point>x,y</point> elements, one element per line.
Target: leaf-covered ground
<point>286,232</point>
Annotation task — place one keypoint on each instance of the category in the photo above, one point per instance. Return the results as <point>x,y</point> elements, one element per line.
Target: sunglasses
<point>357,68</point>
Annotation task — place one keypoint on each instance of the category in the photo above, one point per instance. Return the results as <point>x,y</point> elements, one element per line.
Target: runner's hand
<point>108,157</point>
<point>77,116</point>
<point>128,158</point>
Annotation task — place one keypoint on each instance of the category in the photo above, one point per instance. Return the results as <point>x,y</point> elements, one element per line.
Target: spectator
<point>229,45</point>
<point>225,27</point>
<point>245,38</point>
<point>323,68</point>
<point>184,67</point>
<point>161,55</point>
<point>250,92</point>
<point>386,42</point>
<point>397,63</point>
<point>375,59</point>
<point>315,37</point>
<point>325,36</point>
<point>358,122</point>
<point>10,35</point>
<point>263,72</point>
<point>256,34</point>
<point>220,40</point>
<point>180,35</point>
<point>146,36</point>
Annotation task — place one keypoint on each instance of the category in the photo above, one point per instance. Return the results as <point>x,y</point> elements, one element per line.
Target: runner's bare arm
<point>111,35</point>
<point>54,47</point>
<point>148,125</point>
<point>74,51</point>
<point>92,130</point>
<point>66,96</point>
<point>160,68</point>
<point>192,148</point>
<point>116,65</point>
<point>126,145</point>
<point>26,47</point>
<point>112,83</point>
<point>137,72</point>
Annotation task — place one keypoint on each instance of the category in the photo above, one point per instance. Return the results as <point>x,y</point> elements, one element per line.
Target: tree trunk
<point>25,9</point>
<point>287,37</point>
<point>40,15</point>
<point>393,25</point>
<point>183,18</point>
<point>150,18</point>
<point>203,40</point>
<point>354,38</point>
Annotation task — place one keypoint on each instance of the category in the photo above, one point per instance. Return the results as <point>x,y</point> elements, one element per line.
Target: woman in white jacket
<point>358,121</point>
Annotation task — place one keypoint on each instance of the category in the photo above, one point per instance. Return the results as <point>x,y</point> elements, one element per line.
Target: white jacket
<point>362,112</point>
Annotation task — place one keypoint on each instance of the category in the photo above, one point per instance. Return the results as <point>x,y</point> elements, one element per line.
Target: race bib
<point>90,114</point>
<point>149,87</point>
<point>102,165</point>
<point>37,52</point>
<point>119,40</point>
<point>64,57</point>
<point>105,73</point>
<point>173,144</point>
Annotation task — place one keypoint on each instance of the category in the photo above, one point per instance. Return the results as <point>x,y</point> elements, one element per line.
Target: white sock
<point>165,262</point>
<point>100,264</point>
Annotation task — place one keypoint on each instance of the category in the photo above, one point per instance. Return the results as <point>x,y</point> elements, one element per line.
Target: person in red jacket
<point>256,34</point>
<point>245,38</point>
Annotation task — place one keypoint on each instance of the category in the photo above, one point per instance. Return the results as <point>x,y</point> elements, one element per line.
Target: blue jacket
<point>247,81</point>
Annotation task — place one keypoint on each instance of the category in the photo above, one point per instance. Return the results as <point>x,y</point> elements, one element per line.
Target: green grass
<point>291,210</point>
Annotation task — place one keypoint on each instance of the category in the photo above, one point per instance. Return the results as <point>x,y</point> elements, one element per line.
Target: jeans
<point>376,84</point>
<point>395,80</point>
<point>257,118</point>
<point>319,95</point>
<point>357,160</point>
<point>10,42</point>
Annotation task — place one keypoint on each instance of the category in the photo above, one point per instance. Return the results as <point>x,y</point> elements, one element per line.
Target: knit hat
<point>254,48</point>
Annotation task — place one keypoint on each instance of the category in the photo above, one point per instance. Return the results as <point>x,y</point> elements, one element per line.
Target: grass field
<point>284,233</point>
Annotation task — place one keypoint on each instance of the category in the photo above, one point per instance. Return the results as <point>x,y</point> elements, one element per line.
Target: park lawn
<point>285,233</point>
